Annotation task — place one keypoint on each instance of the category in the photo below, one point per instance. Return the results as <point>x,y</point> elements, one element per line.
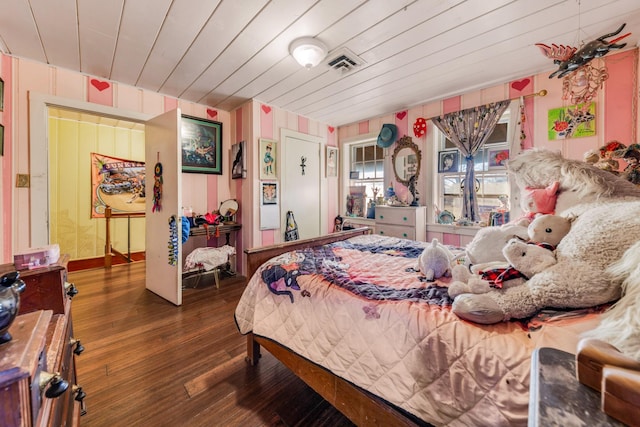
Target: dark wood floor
<point>149,363</point>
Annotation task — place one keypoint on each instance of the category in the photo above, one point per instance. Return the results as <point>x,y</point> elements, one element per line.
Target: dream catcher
<point>157,188</point>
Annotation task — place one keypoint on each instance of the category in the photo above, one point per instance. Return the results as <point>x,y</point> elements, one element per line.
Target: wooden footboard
<point>257,256</point>
<point>361,407</point>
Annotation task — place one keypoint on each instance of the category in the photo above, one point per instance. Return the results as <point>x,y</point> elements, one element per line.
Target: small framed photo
<point>201,141</point>
<point>238,160</point>
<point>1,95</point>
<point>448,161</point>
<point>268,155</point>
<point>498,158</point>
<point>354,175</point>
<point>332,162</point>
<point>269,193</point>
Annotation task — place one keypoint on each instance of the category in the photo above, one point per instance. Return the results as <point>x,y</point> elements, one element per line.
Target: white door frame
<point>287,133</point>
<point>39,104</point>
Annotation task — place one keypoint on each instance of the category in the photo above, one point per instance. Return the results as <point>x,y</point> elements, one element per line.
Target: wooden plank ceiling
<point>223,52</point>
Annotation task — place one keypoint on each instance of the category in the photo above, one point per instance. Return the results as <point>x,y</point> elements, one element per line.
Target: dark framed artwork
<point>448,161</point>
<point>238,160</point>
<point>1,95</point>
<point>201,142</point>
<point>1,140</point>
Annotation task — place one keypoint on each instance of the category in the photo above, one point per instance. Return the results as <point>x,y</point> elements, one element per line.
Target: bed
<point>351,315</point>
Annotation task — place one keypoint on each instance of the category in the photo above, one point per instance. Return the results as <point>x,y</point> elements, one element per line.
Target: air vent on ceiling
<point>344,60</point>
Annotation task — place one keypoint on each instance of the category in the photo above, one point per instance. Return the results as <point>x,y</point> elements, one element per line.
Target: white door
<point>301,184</point>
<point>162,146</point>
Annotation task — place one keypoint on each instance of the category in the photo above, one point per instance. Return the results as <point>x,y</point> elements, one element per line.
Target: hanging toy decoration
<point>173,240</point>
<point>420,127</point>
<point>157,188</point>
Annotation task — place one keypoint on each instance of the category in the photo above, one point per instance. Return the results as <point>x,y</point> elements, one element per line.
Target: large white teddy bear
<point>607,223</point>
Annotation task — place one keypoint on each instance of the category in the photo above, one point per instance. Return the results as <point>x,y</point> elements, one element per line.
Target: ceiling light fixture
<point>308,51</point>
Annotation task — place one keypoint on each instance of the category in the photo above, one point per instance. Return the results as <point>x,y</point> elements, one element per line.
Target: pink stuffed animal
<point>540,200</point>
<point>536,202</point>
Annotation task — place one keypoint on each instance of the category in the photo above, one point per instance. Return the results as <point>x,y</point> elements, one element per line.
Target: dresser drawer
<point>396,231</point>
<point>397,216</point>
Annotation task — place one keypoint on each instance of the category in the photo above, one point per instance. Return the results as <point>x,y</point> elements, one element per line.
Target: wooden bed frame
<point>360,406</point>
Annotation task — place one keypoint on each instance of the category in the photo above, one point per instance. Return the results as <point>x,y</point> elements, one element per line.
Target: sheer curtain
<point>468,130</point>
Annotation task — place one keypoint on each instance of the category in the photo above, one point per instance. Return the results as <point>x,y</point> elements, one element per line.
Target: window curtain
<point>468,130</point>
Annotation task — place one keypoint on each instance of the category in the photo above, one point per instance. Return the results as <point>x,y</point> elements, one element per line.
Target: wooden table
<point>557,398</point>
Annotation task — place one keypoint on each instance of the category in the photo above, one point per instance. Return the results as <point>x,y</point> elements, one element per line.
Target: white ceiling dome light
<point>308,51</point>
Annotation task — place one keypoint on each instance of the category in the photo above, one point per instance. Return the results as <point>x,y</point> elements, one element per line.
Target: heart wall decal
<point>520,84</point>
<point>266,109</point>
<point>212,113</point>
<point>331,129</point>
<point>100,85</point>
<point>401,115</point>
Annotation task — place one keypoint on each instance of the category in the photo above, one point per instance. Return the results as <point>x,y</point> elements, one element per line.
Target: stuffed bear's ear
<point>552,189</point>
<point>571,218</point>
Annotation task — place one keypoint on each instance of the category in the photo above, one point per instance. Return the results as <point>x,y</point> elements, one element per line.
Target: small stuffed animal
<point>549,229</point>
<point>539,201</point>
<point>434,261</point>
<point>486,245</point>
<point>525,260</point>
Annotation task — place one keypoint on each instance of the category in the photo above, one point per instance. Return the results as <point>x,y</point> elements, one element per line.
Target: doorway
<point>303,189</point>
<point>40,106</point>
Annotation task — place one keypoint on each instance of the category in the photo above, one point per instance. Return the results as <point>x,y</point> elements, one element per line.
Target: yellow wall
<point>71,143</point>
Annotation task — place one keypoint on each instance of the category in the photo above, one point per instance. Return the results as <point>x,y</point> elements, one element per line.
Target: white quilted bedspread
<point>360,309</point>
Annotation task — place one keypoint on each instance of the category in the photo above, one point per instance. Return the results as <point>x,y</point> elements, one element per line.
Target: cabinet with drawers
<point>403,222</point>
<point>38,384</point>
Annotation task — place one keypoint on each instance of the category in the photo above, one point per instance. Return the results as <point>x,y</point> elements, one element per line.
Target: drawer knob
<point>79,347</point>
<point>79,397</point>
<point>404,218</point>
<point>381,216</point>
<point>53,383</point>
<point>404,234</point>
<point>71,289</point>
<point>382,232</point>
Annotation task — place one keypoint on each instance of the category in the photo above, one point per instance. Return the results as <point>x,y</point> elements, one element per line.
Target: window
<point>492,181</point>
<point>366,170</point>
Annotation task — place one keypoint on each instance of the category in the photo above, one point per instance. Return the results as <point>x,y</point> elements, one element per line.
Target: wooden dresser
<point>38,384</point>
<point>404,222</point>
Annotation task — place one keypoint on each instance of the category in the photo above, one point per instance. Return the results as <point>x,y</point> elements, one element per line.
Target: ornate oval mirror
<point>406,160</point>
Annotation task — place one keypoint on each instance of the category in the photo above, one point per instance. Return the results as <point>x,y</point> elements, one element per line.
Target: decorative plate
<point>445,217</point>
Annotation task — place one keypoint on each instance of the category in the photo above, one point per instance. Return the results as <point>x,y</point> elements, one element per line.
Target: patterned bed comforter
<point>361,309</point>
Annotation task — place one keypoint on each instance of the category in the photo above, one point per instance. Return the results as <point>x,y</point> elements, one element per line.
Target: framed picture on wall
<point>332,162</point>
<point>201,141</point>
<point>238,160</point>
<point>498,158</point>
<point>267,159</point>
<point>269,193</point>
<point>448,161</point>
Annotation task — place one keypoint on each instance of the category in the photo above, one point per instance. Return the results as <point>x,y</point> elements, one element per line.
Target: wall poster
<point>269,205</point>
<point>118,183</point>
<point>574,121</point>
<point>268,166</point>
